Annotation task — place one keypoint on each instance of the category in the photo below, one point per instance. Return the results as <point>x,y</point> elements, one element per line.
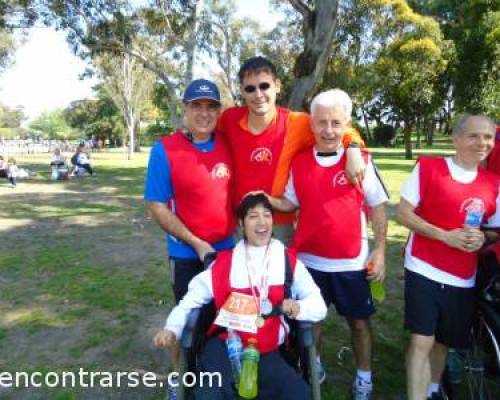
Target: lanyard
<point>264,286</point>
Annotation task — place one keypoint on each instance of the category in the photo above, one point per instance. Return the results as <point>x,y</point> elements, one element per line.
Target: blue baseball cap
<point>201,89</point>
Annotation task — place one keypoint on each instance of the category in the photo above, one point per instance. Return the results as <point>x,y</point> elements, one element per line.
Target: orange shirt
<point>297,136</point>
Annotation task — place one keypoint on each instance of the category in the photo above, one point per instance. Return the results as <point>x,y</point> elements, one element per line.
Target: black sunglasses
<point>252,88</point>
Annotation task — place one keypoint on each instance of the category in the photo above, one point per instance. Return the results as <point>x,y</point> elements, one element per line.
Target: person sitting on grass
<point>252,273</point>
<point>81,161</point>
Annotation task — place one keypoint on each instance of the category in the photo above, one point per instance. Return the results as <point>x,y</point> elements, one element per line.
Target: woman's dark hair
<point>256,65</point>
<point>251,201</point>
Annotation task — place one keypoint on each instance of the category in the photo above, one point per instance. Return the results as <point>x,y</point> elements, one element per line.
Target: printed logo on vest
<point>262,155</point>
<point>340,179</point>
<point>220,171</point>
<point>473,205</point>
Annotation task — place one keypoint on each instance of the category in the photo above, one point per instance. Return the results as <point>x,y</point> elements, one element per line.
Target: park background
<point>83,275</point>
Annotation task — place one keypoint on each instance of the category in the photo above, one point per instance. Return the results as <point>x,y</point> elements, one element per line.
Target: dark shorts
<point>432,308</point>
<point>349,291</point>
<point>182,271</point>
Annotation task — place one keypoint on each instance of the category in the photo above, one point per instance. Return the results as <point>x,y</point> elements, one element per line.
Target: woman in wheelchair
<point>247,285</point>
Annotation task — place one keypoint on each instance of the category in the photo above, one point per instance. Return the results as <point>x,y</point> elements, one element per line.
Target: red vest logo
<point>262,155</point>
<point>220,171</point>
<point>340,179</point>
<point>473,204</point>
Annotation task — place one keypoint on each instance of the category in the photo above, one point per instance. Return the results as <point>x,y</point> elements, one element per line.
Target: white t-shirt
<point>411,193</point>
<point>375,194</point>
<point>83,158</point>
<point>304,290</point>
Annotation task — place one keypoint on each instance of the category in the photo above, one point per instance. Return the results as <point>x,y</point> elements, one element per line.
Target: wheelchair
<point>301,355</point>
<point>474,374</point>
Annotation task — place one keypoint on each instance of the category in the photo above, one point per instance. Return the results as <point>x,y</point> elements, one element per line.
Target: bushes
<point>384,135</point>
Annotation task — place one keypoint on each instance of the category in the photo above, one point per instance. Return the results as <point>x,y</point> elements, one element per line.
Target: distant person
<point>58,159</point>
<point>81,160</point>
<point>12,172</point>
<point>59,166</point>
<point>3,167</point>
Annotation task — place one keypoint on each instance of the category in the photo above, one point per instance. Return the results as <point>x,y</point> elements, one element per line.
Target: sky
<point>45,75</point>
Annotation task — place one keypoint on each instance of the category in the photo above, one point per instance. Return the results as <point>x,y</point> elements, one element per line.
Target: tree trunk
<point>419,127</point>
<point>430,132</point>
<point>191,44</point>
<point>367,125</point>
<point>407,137</point>
<point>318,27</point>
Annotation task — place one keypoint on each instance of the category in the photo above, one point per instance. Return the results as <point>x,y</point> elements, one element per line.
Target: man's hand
<point>375,266</point>
<point>165,338</point>
<point>465,239</point>
<point>355,166</point>
<point>291,308</point>
<point>475,238</point>
<point>202,248</point>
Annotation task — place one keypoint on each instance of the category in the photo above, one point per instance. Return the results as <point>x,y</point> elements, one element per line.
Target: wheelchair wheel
<point>479,377</point>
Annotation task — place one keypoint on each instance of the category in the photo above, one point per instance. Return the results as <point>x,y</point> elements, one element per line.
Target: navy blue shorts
<point>182,271</point>
<point>349,291</point>
<point>435,309</point>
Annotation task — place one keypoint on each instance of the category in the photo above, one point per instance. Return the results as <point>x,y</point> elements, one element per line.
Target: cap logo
<point>204,88</point>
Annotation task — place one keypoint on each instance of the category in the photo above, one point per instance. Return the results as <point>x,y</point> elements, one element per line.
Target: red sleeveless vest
<point>201,184</point>
<point>255,157</point>
<point>268,336</point>
<point>330,208</point>
<point>443,202</point>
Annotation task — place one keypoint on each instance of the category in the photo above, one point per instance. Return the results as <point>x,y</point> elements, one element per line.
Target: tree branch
<point>301,7</point>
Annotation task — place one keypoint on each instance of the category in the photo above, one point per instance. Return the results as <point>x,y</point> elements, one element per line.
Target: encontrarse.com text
<point>90,379</point>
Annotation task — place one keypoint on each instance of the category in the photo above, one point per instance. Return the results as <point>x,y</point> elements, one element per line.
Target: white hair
<point>333,98</point>
<point>460,126</point>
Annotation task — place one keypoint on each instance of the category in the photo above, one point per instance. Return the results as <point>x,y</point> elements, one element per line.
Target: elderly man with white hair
<point>331,236</point>
<point>444,203</point>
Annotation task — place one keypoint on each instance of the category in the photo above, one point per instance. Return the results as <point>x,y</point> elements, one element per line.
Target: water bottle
<point>473,217</point>
<point>455,367</point>
<point>234,350</point>
<point>248,384</point>
<point>376,287</point>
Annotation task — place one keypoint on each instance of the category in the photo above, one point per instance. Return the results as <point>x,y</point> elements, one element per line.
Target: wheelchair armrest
<point>188,332</point>
<point>306,336</point>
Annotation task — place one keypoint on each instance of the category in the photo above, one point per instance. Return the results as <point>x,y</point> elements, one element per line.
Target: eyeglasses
<point>252,88</point>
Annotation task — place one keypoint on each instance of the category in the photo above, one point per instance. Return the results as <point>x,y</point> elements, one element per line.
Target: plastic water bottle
<point>234,350</point>
<point>455,366</point>
<point>473,217</point>
<point>376,287</point>
<point>250,370</point>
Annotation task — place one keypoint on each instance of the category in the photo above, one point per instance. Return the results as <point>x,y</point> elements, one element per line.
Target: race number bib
<point>239,312</point>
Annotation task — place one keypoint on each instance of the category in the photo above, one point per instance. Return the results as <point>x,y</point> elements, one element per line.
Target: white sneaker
<point>361,390</point>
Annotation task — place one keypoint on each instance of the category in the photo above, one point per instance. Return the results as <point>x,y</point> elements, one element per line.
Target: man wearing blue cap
<point>188,189</point>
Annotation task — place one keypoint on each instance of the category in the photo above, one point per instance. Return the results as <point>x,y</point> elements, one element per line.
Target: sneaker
<point>361,390</point>
<point>321,372</point>
<point>438,396</point>
<point>172,390</point>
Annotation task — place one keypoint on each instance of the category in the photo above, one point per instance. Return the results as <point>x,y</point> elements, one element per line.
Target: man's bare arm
<point>377,256</point>
<point>282,204</point>
<point>457,238</point>
<point>171,224</point>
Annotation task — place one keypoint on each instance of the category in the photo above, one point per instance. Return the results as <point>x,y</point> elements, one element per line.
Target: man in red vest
<point>188,189</point>
<point>331,236</point>
<point>263,139</point>
<point>443,203</point>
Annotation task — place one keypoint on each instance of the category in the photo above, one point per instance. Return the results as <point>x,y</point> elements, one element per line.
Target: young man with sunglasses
<point>263,138</point>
